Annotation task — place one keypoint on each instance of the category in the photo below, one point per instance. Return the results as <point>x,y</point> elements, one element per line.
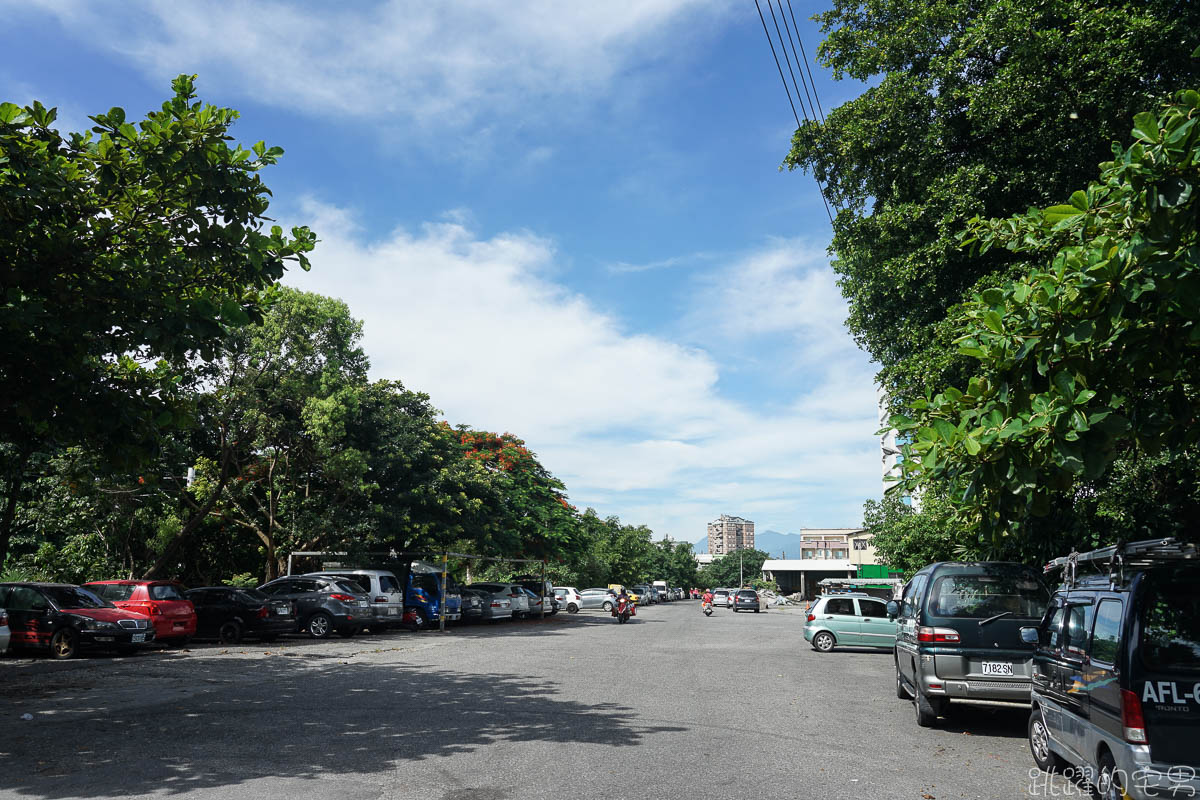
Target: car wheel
<point>347,631</point>
<point>1108,782</point>
<point>901,692</point>
<point>1039,744</point>
<point>757,610</point>
<point>927,712</point>
<point>572,608</point>
<point>823,642</point>
<point>320,625</point>
<point>230,632</point>
<point>64,643</point>
<point>607,605</point>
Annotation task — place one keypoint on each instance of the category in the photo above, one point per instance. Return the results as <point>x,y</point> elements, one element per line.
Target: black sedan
<point>227,614</point>
<point>66,619</point>
<point>745,600</point>
<point>323,604</point>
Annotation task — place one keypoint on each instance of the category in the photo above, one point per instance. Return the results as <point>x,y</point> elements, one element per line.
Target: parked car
<point>424,595</point>
<point>748,600</point>
<point>323,604</point>
<point>383,590</point>
<point>1116,671</point>
<point>720,597</point>
<point>603,599</point>
<point>568,598</point>
<point>856,619</point>
<point>472,604</point>
<point>229,614</point>
<point>642,594</point>
<point>497,604</point>
<point>517,596</point>
<point>163,602</point>
<point>5,634</point>
<point>66,620</point>
<point>543,593</point>
<point>958,634</point>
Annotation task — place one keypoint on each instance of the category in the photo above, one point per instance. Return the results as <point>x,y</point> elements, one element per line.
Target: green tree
<point>743,565</point>
<point>129,250</point>
<point>975,108</point>
<point>1091,359</point>
<point>907,538</point>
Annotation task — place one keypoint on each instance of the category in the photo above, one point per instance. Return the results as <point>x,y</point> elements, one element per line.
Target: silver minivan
<point>384,593</point>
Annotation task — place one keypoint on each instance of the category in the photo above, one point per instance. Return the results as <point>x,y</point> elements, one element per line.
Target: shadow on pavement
<point>976,719</point>
<point>207,722</point>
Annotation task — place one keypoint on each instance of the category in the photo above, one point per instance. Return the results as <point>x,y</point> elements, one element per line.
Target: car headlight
<point>87,623</point>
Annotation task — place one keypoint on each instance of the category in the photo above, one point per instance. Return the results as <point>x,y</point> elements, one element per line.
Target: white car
<point>568,598</point>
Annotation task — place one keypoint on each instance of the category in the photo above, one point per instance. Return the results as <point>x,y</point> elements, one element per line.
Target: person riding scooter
<point>706,602</point>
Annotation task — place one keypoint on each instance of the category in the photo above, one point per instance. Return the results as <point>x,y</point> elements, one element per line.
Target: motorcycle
<point>708,609</point>
<point>623,610</point>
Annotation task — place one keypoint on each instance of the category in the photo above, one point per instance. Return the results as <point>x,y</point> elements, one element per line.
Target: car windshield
<point>985,595</point>
<point>344,585</point>
<point>253,595</point>
<point>74,597</point>
<point>113,591</point>
<point>165,591</point>
<point>1171,622</point>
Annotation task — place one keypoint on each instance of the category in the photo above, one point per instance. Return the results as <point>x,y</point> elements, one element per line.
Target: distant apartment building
<point>729,534</point>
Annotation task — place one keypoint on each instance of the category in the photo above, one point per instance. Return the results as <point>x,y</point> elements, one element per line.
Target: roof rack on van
<point>1116,558</point>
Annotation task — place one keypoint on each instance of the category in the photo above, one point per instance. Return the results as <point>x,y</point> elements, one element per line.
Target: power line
<point>788,61</point>
<point>806,64</point>
<point>812,107</point>
<point>788,92</point>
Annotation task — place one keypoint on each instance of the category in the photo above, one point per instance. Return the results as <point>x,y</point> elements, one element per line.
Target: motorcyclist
<point>706,599</point>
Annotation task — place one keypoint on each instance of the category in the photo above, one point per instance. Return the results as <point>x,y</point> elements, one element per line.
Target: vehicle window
<point>840,605</point>
<point>872,608</point>
<point>1171,622</point>
<point>977,596</point>
<point>912,595</point>
<point>282,587</point>
<point>1106,637</point>
<point>165,591</point>
<point>429,583</point>
<point>1051,635</point>
<point>113,591</point>
<point>74,597</point>
<point>344,585</point>
<point>1078,619</point>
<point>388,583</point>
<point>24,598</point>
<point>248,596</point>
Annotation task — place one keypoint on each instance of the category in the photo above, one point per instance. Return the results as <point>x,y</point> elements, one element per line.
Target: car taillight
<point>381,599</point>
<point>937,635</point>
<point>345,598</point>
<point>3,618</point>
<point>152,610</point>
<point>812,617</point>
<point>262,612</point>
<point>496,604</point>
<point>1132,721</point>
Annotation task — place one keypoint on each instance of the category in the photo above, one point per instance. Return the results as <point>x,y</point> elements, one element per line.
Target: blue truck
<point>423,595</point>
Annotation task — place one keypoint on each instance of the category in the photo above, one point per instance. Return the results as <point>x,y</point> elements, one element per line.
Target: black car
<point>745,600</point>
<point>323,604</point>
<point>66,619</point>
<point>472,604</point>
<point>227,614</point>
<point>1116,672</point>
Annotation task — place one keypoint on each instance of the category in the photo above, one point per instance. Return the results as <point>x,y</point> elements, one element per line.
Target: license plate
<point>281,611</point>
<point>139,637</point>
<point>997,668</point>
<point>393,612</point>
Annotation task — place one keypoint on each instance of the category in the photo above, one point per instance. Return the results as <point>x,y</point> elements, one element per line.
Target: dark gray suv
<point>323,604</point>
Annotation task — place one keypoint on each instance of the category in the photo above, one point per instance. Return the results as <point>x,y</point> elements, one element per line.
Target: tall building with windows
<point>728,534</point>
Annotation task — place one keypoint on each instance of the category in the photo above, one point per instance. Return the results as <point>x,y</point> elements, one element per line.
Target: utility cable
<point>806,63</point>
<point>799,68</point>
<point>788,92</point>
<point>788,61</point>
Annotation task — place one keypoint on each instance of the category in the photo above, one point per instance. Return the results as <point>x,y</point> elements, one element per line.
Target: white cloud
<point>424,63</point>
<point>481,324</point>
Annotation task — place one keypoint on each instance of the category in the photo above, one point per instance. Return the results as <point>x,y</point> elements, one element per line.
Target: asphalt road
<point>573,708</point>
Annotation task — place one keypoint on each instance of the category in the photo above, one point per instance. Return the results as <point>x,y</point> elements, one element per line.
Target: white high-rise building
<point>728,534</point>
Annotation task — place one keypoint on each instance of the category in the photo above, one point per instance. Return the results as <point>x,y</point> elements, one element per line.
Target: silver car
<point>383,592</point>
<point>491,606</point>
<point>516,595</point>
<point>603,599</point>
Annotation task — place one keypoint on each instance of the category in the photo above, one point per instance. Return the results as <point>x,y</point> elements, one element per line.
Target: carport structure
<point>405,561</point>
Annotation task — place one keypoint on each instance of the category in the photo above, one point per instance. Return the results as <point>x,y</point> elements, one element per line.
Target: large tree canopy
<point>126,250</point>
<point>977,109</point>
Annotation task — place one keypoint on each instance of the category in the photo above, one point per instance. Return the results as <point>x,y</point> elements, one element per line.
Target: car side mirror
<point>893,609</point>
<point>1029,635</point>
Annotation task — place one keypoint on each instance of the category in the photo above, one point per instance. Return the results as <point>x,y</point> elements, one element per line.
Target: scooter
<point>623,611</point>
<point>708,609</point>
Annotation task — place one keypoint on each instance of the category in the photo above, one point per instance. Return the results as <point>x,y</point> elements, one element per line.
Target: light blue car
<point>851,620</point>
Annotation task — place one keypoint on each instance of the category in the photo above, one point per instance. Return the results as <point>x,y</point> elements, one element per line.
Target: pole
<point>442,605</point>
<point>543,590</point>
<point>741,577</point>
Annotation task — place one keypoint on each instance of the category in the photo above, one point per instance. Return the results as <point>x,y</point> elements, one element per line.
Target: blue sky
<point>563,220</point>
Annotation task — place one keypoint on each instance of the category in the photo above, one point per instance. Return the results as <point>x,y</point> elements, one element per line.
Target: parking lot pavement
<point>670,705</point>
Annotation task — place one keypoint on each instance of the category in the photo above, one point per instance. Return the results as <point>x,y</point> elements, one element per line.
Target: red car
<point>173,615</point>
